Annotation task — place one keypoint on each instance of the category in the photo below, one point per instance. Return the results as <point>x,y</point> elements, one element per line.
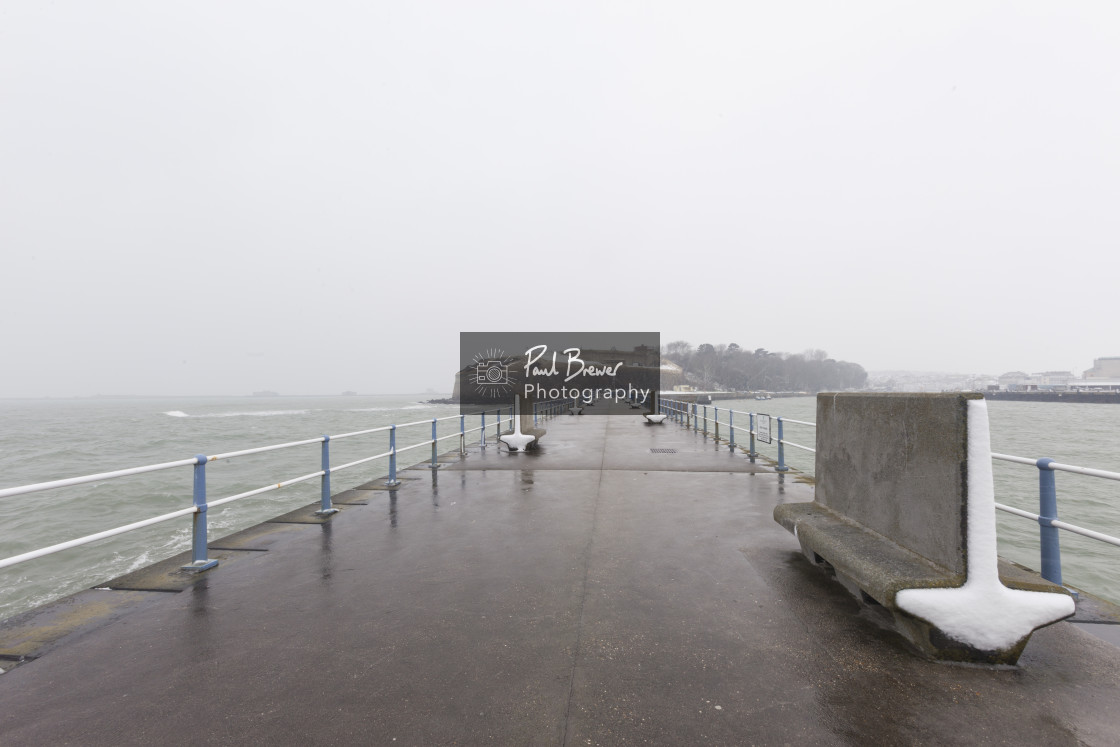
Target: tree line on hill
<point>731,367</point>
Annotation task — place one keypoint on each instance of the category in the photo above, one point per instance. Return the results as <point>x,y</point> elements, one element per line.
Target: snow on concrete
<point>517,441</point>
<point>983,612</point>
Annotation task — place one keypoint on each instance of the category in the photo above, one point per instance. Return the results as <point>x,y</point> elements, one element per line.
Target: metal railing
<point>691,415</point>
<point>201,504</point>
<point>1047,516</point>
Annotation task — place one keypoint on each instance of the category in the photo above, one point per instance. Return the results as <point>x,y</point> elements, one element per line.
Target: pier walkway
<point>592,593</point>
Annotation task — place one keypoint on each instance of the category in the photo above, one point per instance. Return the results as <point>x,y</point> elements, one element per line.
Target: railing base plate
<point>200,565</point>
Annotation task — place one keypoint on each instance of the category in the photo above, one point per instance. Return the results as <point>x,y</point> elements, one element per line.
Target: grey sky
<point>218,197</point>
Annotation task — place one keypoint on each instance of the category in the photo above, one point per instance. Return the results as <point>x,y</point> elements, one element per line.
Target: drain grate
<point>663,451</point>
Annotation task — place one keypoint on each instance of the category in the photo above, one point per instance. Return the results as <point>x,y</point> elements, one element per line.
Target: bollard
<point>199,561</point>
<point>325,508</point>
<point>731,427</point>
<point>1048,513</point>
<point>781,450</point>
<point>393,457</point>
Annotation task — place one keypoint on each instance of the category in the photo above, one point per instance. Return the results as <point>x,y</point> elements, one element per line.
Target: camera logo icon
<point>492,372</point>
<point>492,375</point>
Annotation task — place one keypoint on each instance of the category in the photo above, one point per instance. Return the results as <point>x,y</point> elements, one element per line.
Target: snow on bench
<point>904,515</point>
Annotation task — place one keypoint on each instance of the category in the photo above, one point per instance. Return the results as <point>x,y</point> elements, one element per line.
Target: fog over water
<point>218,198</point>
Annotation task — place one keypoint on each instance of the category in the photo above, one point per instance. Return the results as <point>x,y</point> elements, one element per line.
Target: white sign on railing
<point>762,428</point>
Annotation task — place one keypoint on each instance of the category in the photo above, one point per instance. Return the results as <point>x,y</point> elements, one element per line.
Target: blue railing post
<point>482,430</point>
<point>393,457</point>
<point>731,427</point>
<point>752,453</point>
<point>199,561</point>
<point>781,450</point>
<point>435,442</point>
<point>1048,513</point>
<point>705,420</point>
<point>325,508</point>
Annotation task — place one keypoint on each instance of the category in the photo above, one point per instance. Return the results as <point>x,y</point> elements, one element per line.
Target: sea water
<point>44,440</point>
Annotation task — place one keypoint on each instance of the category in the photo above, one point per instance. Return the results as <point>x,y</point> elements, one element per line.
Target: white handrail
<point>24,489</point>
<point>265,489</point>
<point>262,449</point>
<point>94,537</point>
<point>1062,525</point>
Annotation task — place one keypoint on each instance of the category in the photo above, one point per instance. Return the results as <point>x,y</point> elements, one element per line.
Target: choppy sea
<point>44,440</point>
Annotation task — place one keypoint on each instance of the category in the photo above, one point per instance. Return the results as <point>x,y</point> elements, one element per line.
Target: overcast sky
<point>221,197</point>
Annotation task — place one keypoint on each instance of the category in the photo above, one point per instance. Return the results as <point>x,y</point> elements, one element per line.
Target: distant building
<point>1095,385</point>
<point>1014,381</point>
<point>1104,368</point>
<point>671,375</point>
<point>1054,379</point>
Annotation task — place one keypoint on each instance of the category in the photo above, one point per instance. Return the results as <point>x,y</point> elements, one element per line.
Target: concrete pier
<point>594,591</point>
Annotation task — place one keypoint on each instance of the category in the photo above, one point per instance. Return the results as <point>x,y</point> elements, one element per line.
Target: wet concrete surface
<point>593,592</point>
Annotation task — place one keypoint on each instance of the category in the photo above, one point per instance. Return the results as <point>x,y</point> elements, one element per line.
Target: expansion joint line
<point>583,597</point>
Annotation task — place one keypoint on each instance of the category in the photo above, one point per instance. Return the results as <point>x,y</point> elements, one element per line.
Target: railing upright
<point>325,508</point>
<point>716,411</point>
<point>731,428</point>
<point>435,442</point>
<point>392,481</point>
<point>482,430</point>
<point>1047,514</point>
<point>781,449</point>
<point>463,435</point>
<point>199,560</point>
<point>753,452</point>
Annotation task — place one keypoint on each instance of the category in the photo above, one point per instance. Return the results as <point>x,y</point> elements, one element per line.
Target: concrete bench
<point>904,515</point>
<point>524,435</point>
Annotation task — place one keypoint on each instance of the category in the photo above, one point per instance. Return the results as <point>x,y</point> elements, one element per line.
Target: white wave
<point>177,414</point>
<point>369,409</point>
<point>254,413</point>
<point>417,406</point>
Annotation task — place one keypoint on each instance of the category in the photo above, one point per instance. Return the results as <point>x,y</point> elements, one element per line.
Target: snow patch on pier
<point>983,612</point>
